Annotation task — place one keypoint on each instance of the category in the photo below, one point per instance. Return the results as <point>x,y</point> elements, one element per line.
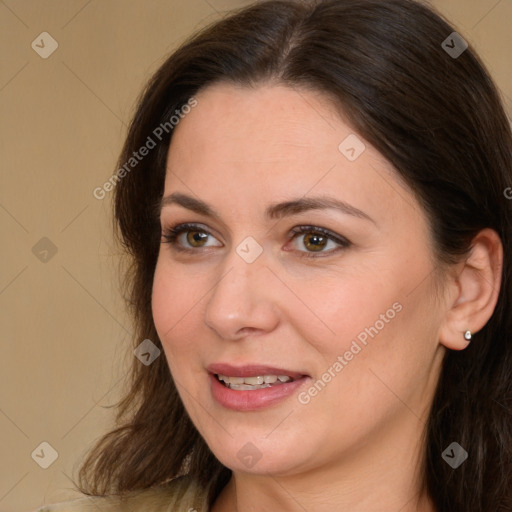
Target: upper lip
<point>251,370</point>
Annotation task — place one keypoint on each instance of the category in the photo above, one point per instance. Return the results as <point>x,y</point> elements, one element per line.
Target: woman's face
<point>350,315</point>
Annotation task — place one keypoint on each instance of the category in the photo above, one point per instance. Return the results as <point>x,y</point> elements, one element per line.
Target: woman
<point>320,240</point>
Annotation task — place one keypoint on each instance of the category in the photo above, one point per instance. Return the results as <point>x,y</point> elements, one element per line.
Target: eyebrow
<point>273,211</point>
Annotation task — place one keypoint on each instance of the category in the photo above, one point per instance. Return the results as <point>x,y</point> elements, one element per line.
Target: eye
<point>315,239</point>
<point>195,236</point>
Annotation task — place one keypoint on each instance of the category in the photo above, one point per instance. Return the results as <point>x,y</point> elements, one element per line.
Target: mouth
<point>252,387</point>
<point>252,383</point>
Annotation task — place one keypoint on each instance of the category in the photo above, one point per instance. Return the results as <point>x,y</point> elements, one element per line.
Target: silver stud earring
<point>468,335</point>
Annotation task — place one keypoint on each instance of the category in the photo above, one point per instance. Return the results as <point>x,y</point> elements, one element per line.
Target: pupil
<point>316,245</point>
<point>196,236</point>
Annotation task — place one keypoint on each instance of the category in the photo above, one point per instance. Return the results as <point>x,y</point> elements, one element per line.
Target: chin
<point>263,457</point>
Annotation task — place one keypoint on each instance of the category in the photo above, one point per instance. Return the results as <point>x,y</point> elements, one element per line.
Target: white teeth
<point>234,380</point>
<point>253,380</point>
<point>258,382</point>
<point>247,387</point>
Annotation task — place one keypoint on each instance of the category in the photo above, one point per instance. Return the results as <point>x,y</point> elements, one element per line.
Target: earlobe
<point>476,288</point>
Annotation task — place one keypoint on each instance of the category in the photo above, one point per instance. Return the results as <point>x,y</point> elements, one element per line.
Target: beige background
<point>63,120</point>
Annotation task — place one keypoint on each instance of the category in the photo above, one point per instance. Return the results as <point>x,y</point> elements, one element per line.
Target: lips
<point>245,398</point>
<point>255,370</point>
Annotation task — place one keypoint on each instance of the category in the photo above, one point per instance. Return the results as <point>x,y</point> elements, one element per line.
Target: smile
<point>252,383</point>
<point>253,387</point>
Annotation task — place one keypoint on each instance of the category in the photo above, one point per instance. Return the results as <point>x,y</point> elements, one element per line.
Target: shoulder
<point>181,493</point>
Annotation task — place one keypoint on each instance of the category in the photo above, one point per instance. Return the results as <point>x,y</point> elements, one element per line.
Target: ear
<point>473,291</point>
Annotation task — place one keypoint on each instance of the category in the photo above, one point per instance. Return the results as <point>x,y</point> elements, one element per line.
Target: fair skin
<point>357,444</point>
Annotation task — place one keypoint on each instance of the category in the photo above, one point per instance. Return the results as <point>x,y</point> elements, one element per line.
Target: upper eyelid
<point>189,226</point>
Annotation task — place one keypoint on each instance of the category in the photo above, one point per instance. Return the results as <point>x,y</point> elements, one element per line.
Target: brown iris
<point>196,236</point>
<point>315,241</point>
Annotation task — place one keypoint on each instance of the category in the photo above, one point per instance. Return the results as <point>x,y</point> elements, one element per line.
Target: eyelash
<point>171,234</point>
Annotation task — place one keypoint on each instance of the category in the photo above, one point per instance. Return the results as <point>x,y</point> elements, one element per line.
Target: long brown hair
<point>436,117</point>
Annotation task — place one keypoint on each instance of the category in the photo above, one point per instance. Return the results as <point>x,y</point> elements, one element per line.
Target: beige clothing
<point>181,494</point>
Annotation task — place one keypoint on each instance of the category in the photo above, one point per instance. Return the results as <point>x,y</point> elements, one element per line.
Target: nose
<point>242,302</point>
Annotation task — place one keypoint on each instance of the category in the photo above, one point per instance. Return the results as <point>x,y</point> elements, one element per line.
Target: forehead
<point>245,146</point>
<point>265,123</point>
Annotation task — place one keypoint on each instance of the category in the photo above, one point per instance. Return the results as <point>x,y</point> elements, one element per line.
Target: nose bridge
<point>240,299</point>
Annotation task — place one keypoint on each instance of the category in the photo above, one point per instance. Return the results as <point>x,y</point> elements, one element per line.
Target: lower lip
<point>253,399</point>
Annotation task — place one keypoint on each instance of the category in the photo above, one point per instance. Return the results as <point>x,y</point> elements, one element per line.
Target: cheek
<point>377,318</point>
<point>163,303</point>
<point>348,307</point>
<point>172,304</point>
